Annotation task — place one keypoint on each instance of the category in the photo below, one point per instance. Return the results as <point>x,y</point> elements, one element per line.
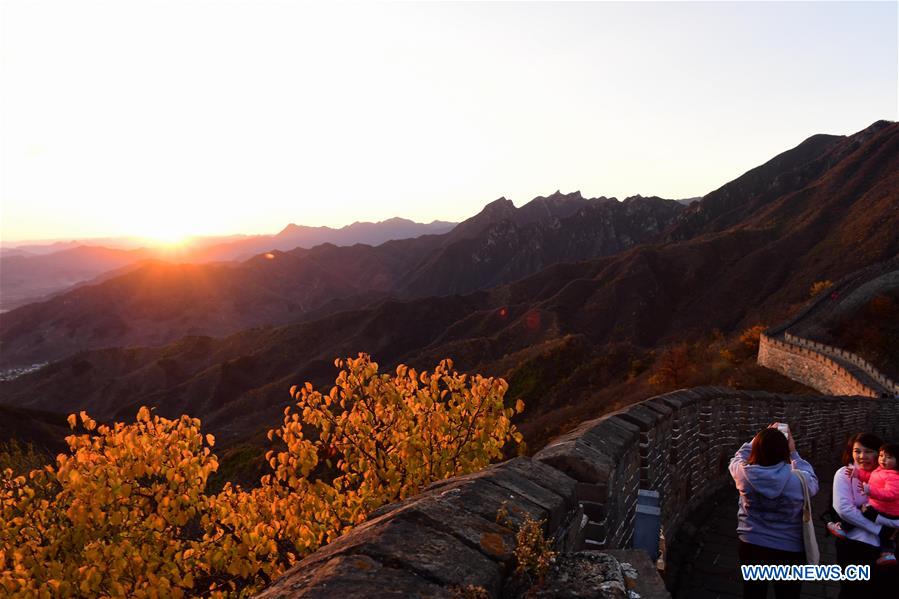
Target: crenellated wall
<point>583,484</point>
<point>822,367</point>
<point>828,350</point>
<point>810,367</point>
<point>680,445</point>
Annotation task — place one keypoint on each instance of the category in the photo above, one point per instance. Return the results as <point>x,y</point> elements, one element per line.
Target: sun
<point>165,237</point>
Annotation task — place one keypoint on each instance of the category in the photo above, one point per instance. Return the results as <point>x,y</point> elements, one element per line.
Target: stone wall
<point>810,367</point>
<point>850,357</point>
<point>447,537</point>
<point>583,485</point>
<point>816,364</point>
<point>680,445</point>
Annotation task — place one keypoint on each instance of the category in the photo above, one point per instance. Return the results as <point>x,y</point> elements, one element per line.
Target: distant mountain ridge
<point>159,303</point>
<point>27,278</point>
<point>301,236</point>
<point>31,273</point>
<point>558,330</point>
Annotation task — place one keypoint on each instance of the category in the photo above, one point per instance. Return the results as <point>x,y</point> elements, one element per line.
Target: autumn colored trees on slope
<point>126,513</point>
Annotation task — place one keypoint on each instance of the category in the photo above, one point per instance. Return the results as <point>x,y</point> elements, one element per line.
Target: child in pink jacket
<point>882,489</point>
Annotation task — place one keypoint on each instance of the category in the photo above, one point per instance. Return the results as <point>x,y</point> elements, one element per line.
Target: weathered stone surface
<point>613,436</point>
<point>679,399</point>
<point>404,544</point>
<point>493,540</point>
<point>352,577</point>
<point>659,406</point>
<point>546,476</point>
<point>577,459</point>
<point>482,497</point>
<point>815,369</point>
<point>584,574</point>
<point>642,416</point>
<point>555,505</point>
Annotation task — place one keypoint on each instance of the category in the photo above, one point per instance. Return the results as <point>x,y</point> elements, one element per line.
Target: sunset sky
<point>164,119</point>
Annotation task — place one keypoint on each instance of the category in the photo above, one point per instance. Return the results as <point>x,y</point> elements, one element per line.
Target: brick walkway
<point>714,566</point>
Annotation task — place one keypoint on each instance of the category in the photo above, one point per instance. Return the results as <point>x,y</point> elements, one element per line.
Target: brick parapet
<point>812,368</point>
<point>866,366</point>
<point>583,485</point>
<point>684,444</point>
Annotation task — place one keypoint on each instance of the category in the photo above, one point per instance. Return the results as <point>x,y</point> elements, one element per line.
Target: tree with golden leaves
<point>126,513</point>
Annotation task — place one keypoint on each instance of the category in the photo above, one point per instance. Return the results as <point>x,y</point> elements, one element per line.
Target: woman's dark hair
<point>891,449</point>
<point>769,447</point>
<point>869,440</point>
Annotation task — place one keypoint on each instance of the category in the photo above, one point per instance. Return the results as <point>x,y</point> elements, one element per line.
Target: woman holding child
<point>766,471</point>
<point>862,500</point>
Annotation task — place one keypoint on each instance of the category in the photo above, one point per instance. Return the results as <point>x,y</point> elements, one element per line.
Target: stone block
<point>577,459</point>
<point>555,505</point>
<point>405,544</point>
<point>352,577</point>
<point>546,476</point>
<point>482,497</point>
<point>487,536</point>
<point>613,436</point>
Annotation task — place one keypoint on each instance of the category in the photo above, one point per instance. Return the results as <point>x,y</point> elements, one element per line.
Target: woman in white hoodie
<point>769,521</point>
<point>861,545</point>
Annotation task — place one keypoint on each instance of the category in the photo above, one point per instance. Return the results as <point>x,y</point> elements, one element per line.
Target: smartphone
<point>782,427</point>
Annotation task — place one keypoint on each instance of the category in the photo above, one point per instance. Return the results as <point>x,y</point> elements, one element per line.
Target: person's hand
<point>869,512</point>
<point>790,443</point>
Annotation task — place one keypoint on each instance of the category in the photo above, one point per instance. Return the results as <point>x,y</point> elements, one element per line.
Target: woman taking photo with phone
<point>771,502</point>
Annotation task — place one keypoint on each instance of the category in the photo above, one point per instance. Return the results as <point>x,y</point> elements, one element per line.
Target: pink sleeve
<point>884,486</point>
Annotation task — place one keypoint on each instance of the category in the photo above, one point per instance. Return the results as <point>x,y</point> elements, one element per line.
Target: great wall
<point>585,486</point>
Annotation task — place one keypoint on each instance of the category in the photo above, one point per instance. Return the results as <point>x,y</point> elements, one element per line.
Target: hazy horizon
<point>132,241</point>
<point>172,119</point>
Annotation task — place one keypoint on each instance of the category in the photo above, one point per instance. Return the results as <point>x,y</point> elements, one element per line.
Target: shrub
<point>819,287</point>
<point>127,512</point>
<point>21,459</point>
<point>673,368</point>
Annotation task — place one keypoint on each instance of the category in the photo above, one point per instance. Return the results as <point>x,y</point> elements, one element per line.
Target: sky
<point>164,119</point>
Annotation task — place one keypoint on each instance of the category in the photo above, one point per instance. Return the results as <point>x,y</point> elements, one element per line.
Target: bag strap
<point>806,498</point>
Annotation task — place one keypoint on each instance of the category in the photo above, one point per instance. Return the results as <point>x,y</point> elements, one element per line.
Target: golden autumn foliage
<point>126,512</point>
<point>533,551</point>
<point>751,337</point>
<point>819,287</point>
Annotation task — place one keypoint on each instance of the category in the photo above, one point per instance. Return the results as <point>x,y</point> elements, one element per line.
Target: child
<point>883,498</point>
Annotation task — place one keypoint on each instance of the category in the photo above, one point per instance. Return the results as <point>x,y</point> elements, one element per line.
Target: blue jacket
<point>771,499</point>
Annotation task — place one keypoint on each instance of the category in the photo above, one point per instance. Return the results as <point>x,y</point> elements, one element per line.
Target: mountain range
<point>31,273</point>
<point>159,302</point>
<point>561,296</point>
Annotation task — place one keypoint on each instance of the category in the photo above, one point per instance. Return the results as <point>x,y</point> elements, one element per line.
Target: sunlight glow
<point>173,239</point>
<point>329,113</point>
